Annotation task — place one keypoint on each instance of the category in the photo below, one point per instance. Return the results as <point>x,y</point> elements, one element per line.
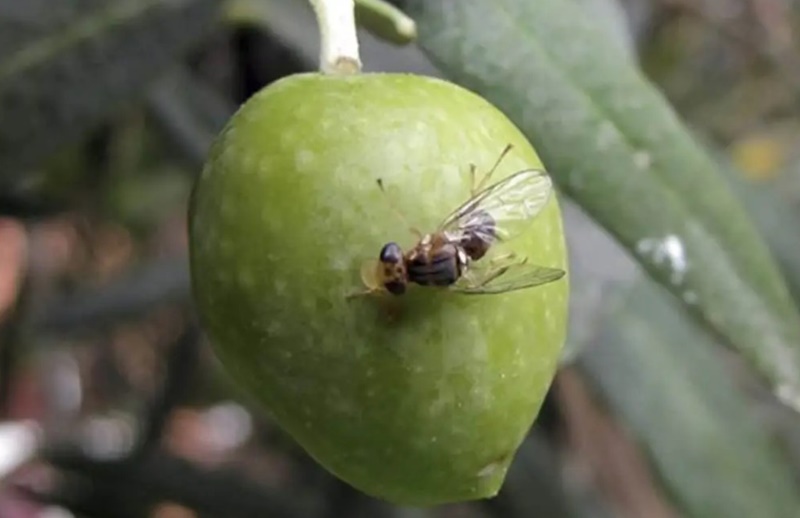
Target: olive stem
<point>338,39</point>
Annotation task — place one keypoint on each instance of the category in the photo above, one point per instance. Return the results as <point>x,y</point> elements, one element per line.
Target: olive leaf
<point>613,144</point>
<point>189,112</point>
<point>710,449</point>
<point>66,67</point>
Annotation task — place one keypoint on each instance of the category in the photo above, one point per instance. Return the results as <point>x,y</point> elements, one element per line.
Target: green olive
<point>419,399</point>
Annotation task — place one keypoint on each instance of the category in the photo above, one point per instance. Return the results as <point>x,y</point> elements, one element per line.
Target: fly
<point>452,256</point>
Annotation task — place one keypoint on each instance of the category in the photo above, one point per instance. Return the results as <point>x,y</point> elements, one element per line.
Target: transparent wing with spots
<point>502,210</point>
<point>504,274</point>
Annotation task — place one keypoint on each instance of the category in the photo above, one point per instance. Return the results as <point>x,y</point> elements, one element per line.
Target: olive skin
<point>418,399</point>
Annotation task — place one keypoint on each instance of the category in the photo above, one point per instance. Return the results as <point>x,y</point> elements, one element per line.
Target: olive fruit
<point>418,399</point>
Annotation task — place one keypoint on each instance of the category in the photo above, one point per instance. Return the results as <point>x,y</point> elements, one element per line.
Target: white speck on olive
<point>275,328</point>
<point>263,167</point>
<point>246,278</point>
<point>303,158</point>
<point>248,160</point>
<point>488,470</point>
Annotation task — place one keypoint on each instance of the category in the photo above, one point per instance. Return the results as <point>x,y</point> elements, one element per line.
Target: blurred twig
<point>618,466</point>
<point>344,500</point>
<point>161,282</point>
<point>775,50</point>
<point>124,488</point>
<point>12,333</point>
<point>190,113</point>
<point>538,485</point>
<point>180,366</point>
<point>23,205</point>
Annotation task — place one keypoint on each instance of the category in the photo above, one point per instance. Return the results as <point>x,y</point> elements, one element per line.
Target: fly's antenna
<point>477,188</point>
<point>397,211</point>
<point>506,150</point>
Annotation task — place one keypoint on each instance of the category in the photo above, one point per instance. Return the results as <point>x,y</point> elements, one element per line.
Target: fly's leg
<point>370,279</point>
<point>362,293</point>
<point>499,266</point>
<point>476,188</point>
<point>506,258</point>
<point>473,187</point>
<point>492,276</point>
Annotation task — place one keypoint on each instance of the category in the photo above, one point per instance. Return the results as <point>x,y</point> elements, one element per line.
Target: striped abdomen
<point>441,267</point>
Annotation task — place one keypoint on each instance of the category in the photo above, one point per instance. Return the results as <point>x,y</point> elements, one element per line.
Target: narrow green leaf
<point>190,113</point>
<point>60,77</point>
<point>614,145</point>
<point>659,373</point>
<point>611,16</point>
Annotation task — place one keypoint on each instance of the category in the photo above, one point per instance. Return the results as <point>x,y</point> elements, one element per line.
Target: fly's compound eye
<point>391,253</point>
<point>393,269</point>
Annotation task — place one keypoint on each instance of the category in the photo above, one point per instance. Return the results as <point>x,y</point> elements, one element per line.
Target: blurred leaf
<point>293,23</point>
<point>610,15</point>
<point>190,113</point>
<point>615,146</point>
<point>659,374</point>
<point>775,218</point>
<point>126,488</point>
<point>64,69</point>
<point>160,282</point>
<point>598,268</point>
<point>761,156</point>
<point>141,201</point>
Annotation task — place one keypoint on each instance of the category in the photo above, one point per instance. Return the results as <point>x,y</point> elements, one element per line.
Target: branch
<point>181,364</point>
<point>103,488</point>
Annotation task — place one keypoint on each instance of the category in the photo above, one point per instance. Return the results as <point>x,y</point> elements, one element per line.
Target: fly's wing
<point>502,210</point>
<point>508,274</point>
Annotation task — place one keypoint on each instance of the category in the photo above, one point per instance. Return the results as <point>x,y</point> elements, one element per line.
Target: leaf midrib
<point>670,193</point>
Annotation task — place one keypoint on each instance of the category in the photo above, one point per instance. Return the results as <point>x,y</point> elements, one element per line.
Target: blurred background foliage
<point>111,404</point>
